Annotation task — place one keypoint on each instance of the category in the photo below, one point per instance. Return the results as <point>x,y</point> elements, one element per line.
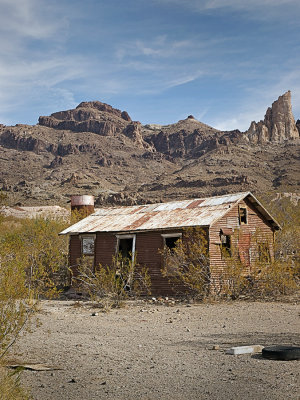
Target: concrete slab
<point>245,349</point>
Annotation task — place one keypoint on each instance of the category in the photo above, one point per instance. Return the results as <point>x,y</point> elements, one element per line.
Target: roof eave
<point>134,231</point>
<point>271,220</point>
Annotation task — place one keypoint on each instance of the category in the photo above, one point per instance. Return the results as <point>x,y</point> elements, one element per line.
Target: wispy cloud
<point>32,66</point>
<point>253,5</point>
<point>29,19</point>
<point>162,63</point>
<point>158,47</point>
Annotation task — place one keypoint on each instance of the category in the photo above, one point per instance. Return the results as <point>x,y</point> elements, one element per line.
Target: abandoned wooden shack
<point>230,221</point>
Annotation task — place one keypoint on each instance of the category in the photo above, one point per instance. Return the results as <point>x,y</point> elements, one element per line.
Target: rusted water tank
<point>83,203</point>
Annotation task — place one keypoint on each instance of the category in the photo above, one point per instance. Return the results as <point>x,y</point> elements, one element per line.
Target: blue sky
<point>224,61</point>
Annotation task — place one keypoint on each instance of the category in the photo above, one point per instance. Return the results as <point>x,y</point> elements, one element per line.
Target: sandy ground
<point>149,352</point>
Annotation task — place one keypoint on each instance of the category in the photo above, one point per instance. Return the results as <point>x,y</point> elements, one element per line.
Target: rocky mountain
<point>278,124</point>
<point>97,149</point>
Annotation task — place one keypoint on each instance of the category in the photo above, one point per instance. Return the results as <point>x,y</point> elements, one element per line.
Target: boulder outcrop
<point>22,141</point>
<point>96,117</point>
<point>278,124</point>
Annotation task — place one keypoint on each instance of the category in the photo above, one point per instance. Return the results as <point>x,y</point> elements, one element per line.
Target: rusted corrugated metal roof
<point>174,214</point>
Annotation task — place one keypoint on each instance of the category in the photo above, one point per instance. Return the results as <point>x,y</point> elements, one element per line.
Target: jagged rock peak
<point>278,124</point>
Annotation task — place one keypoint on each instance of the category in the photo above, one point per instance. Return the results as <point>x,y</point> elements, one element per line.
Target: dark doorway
<point>125,247</point>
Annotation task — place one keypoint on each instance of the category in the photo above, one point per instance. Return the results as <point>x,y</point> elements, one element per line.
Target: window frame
<point>170,235</point>
<point>91,237</point>
<point>243,215</point>
<point>225,249</point>
<point>127,236</point>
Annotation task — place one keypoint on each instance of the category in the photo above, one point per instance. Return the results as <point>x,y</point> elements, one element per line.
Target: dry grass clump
<point>10,388</point>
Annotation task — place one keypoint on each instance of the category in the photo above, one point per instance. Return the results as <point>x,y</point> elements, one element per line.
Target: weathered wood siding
<point>243,239</point>
<point>105,248</point>
<point>148,246</point>
<point>74,254</point>
<point>74,249</point>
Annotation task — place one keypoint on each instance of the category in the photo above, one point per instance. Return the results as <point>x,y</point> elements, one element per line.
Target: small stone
<point>72,380</point>
<point>94,314</point>
<point>103,383</point>
<point>216,347</point>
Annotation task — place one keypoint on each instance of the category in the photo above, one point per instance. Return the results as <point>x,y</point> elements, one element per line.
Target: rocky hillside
<point>96,149</point>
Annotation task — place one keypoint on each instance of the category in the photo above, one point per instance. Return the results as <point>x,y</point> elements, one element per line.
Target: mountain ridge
<point>97,149</point>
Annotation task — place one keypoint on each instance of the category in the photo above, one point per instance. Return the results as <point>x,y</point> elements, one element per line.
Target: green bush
<point>110,285</point>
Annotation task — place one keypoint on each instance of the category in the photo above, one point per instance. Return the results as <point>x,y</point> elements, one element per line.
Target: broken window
<point>170,240</point>
<point>243,215</point>
<point>87,245</point>
<point>225,245</point>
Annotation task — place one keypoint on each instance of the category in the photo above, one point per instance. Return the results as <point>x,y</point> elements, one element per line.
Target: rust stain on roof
<point>137,209</point>
<point>138,222</point>
<point>195,203</point>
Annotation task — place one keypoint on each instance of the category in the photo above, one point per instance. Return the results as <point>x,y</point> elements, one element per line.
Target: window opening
<point>170,240</point>
<point>126,251</point>
<point>125,247</point>
<point>243,215</point>
<point>226,245</point>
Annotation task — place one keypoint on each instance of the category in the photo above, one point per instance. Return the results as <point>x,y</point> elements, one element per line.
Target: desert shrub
<point>32,262</point>
<point>233,281</point>
<point>15,297</point>
<point>46,255</point>
<point>79,214</point>
<point>31,253</point>
<point>287,242</point>
<point>40,252</point>
<point>110,285</point>
<point>10,388</point>
<point>187,265</point>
